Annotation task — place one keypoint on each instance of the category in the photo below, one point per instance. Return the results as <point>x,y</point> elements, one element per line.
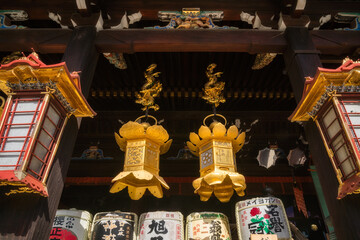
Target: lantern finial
<point>216,145</point>
<point>143,143</point>
<point>213,89</point>
<point>150,89</point>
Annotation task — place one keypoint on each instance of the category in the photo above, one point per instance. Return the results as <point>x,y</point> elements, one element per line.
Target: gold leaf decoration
<point>218,174</point>
<point>213,89</point>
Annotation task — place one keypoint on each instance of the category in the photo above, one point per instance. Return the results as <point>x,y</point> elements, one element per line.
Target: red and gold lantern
<point>40,100</point>
<point>332,100</point>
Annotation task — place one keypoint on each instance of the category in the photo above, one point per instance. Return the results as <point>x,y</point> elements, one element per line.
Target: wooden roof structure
<point>267,95</point>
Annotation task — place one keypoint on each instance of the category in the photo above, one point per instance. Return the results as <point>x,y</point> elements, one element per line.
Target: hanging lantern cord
<point>147,113</point>
<point>214,110</point>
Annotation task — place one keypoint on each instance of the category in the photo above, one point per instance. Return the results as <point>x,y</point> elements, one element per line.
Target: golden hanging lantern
<point>143,143</point>
<point>216,146</point>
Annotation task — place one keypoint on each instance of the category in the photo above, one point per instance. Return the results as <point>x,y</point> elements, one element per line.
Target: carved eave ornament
<point>23,73</point>
<point>325,83</point>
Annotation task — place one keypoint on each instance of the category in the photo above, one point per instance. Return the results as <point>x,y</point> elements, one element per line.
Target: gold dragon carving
<point>213,89</point>
<point>150,89</point>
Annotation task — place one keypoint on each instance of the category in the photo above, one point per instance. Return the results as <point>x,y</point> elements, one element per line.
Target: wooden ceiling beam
<point>39,10</point>
<point>251,41</point>
<point>144,40</point>
<point>41,40</point>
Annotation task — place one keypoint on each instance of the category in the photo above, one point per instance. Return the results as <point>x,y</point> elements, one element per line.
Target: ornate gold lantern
<point>332,100</point>
<point>143,143</point>
<point>40,100</point>
<point>216,146</point>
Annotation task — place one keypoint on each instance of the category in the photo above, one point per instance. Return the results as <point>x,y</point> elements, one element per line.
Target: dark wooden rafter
<point>41,40</point>
<point>251,41</point>
<point>142,40</point>
<point>28,216</point>
<point>193,93</point>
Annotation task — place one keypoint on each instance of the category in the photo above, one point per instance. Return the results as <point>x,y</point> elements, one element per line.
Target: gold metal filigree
<point>13,56</point>
<point>213,89</point>
<point>18,187</point>
<point>21,190</point>
<point>216,146</point>
<point>262,60</point>
<point>2,104</point>
<point>150,89</point>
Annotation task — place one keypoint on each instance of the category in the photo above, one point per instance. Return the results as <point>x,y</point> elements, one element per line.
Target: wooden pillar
<point>28,216</point>
<point>302,60</point>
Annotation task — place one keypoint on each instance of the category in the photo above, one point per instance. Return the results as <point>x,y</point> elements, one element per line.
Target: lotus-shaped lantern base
<point>222,183</point>
<point>137,183</point>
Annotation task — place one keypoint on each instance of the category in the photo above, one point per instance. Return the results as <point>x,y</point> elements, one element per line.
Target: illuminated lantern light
<point>40,100</point>
<point>216,146</point>
<point>332,100</point>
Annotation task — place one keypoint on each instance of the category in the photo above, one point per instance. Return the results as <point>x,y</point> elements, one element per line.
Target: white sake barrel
<point>262,216</point>
<point>71,225</point>
<point>207,225</point>
<point>114,226</point>
<point>161,226</point>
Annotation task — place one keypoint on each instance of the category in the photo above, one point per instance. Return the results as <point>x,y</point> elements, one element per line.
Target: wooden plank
<point>251,41</point>
<point>145,40</point>
<point>148,40</point>
<point>41,40</point>
<point>149,9</point>
<point>39,10</point>
<point>28,216</point>
<point>302,60</point>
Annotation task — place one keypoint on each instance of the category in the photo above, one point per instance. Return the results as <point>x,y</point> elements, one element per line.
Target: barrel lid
<point>74,213</point>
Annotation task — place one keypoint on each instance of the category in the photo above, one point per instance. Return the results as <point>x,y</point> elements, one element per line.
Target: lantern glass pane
<point>53,115</point>
<point>340,149</point>
<point>8,160</point>
<point>330,122</point>
<point>333,129</point>
<point>207,158</point>
<point>329,117</point>
<point>49,127</point>
<point>351,111</point>
<point>45,138</point>
<point>40,151</point>
<point>25,105</point>
<point>45,142</point>
<point>18,128</point>
<point>347,168</point>
<point>35,165</point>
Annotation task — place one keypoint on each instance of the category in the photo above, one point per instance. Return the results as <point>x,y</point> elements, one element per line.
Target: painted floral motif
<point>261,224</point>
<point>255,211</point>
